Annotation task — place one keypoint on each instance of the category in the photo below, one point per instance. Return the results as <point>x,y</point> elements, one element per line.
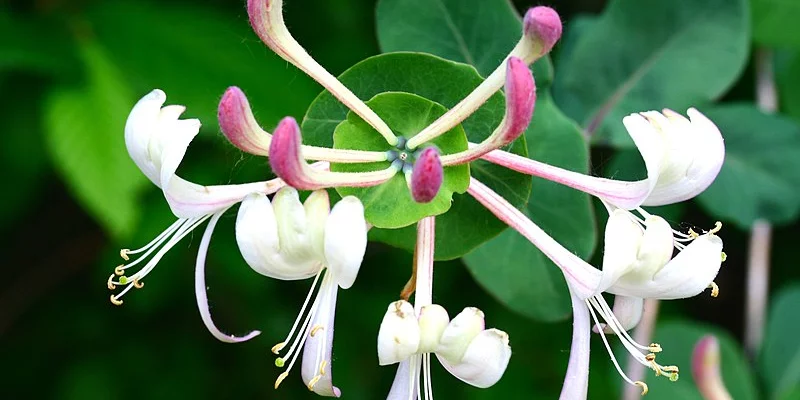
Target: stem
<point>423,262</point>
<point>757,289</point>
<point>643,333</point>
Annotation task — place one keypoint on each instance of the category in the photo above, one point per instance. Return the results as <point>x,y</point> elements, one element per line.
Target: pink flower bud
<point>705,369</point>
<point>238,124</point>
<point>285,155</point>
<point>543,26</point>
<point>520,99</point>
<point>426,178</point>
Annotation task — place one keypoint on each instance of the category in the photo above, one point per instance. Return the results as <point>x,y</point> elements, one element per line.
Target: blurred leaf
<point>787,77</point>
<point>780,352</point>
<point>678,339</point>
<point>85,139</point>
<point>195,53</point>
<point>761,173</point>
<point>390,204</point>
<point>775,22</point>
<point>467,224</point>
<point>650,54</point>
<point>509,266</point>
<point>36,44</point>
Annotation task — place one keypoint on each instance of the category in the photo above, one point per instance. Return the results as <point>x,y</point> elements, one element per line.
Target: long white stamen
<point>305,330</point>
<point>426,365</point>
<point>614,323</point>
<point>126,252</point>
<point>171,232</point>
<point>608,347</point>
<point>185,229</point>
<point>325,305</point>
<point>280,346</point>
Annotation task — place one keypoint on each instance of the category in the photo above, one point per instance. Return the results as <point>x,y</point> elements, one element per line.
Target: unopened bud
<point>459,333</point>
<point>543,25</point>
<point>433,320</point>
<point>427,176</point>
<point>399,335</point>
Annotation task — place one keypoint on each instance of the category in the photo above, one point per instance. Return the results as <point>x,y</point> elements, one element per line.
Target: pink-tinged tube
<point>543,25</point>
<point>427,176</point>
<point>286,161</point>
<point>705,369</point>
<point>583,278</point>
<point>238,124</point>
<point>576,381</point>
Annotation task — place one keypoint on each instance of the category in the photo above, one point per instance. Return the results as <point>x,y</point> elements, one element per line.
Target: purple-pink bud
<point>543,25</point>
<point>238,124</point>
<point>285,155</point>
<point>520,99</point>
<point>259,13</point>
<point>427,176</point>
<point>706,369</point>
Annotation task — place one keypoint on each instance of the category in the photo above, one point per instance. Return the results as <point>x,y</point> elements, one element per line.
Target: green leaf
<point>780,352</point>
<point>390,205</point>
<point>467,224</point>
<point>509,266</point>
<point>787,76</point>
<point>678,339</point>
<point>47,46</point>
<point>761,167</point>
<point>85,138</point>
<point>775,22</point>
<point>650,54</point>
<point>194,54</point>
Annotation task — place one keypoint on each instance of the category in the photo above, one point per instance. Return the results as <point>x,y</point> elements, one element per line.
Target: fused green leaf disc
<point>389,205</point>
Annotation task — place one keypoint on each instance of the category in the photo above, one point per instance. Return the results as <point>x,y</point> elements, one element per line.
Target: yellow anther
<point>322,366</point>
<point>654,366</point>
<point>124,254</point>
<point>655,347</point>
<point>693,234</point>
<point>280,379</point>
<point>724,256</point>
<point>120,270</point>
<point>137,283</point>
<point>717,227</point>
<point>643,386</point>
<point>315,329</point>
<point>672,369</point>
<point>111,285</point>
<point>650,357</point>
<point>115,301</point>
<point>714,289</point>
<point>278,347</point>
<point>313,382</point>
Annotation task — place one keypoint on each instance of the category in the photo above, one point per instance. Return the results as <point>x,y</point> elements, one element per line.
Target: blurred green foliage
<point>71,70</point>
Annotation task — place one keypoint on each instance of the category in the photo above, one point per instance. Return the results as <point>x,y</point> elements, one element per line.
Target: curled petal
<point>427,176</point>
<point>399,336</point>
<point>346,240</point>
<point>200,287</point>
<point>484,361</point>
<point>260,244</point>
<point>139,130</point>
<point>576,382</point>
<point>266,18</point>
<point>543,26</point>
<point>459,333</point>
<point>706,369</point>
<point>318,350</point>
<point>687,275</point>
<point>286,160</point>
<point>695,158</point>
<point>520,100</point>
<point>433,321</point>
<point>189,200</point>
<point>239,125</point>
<point>622,239</point>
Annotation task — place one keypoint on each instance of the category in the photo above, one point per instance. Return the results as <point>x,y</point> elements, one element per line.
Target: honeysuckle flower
<point>157,141</point>
<point>410,334</point>
<point>706,369</point>
<point>682,157</point>
<point>288,240</point>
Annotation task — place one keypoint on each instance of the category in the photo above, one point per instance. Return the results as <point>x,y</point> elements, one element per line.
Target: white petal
<point>628,311</point>
<point>655,250</point>
<point>346,240</point>
<point>700,140</point>
<point>398,337</point>
<point>650,144</point>
<point>257,237</point>
<point>484,361</point>
<point>294,238</point>
<point>433,320</point>
<point>139,130</point>
<point>189,200</point>
<point>687,275</point>
<point>319,346</point>
<point>576,381</point>
<point>459,333</point>
<point>406,380</point>
<point>622,239</point>
<point>175,137</point>
<point>317,207</point>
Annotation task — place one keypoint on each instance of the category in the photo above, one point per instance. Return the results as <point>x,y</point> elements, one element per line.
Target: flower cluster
<point>285,239</point>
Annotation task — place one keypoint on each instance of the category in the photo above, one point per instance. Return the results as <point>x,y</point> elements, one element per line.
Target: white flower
<point>288,240</point>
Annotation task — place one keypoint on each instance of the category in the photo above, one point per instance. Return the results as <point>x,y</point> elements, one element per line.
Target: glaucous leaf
<point>84,128</point>
<point>467,224</point>
<point>678,339</point>
<point>650,54</point>
<point>761,173</point>
<point>390,205</point>
<point>780,351</point>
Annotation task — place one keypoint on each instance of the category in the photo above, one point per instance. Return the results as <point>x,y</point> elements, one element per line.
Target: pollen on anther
<point>717,227</point>
<point>278,347</point>
<point>111,285</point>
<point>643,386</point>
<point>655,348</point>
<point>137,283</point>
<point>315,329</point>
<point>124,254</point>
<point>650,357</point>
<point>322,366</point>
<point>280,379</point>
<point>115,301</point>
<point>119,270</point>
<point>313,382</point>
<point>714,289</point>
